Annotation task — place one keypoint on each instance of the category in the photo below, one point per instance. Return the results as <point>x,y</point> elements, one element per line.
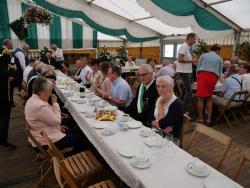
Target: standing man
<point>57,54</point>
<point>5,77</point>
<point>143,105</point>
<point>21,60</point>
<point>184,68</point>
<point>120,92</point>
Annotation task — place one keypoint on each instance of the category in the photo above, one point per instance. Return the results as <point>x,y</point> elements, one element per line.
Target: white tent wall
<point>110,44</point>
<point>105,18</point>
<point>66,26</point>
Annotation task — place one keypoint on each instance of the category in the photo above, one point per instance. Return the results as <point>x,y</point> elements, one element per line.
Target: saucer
<point>108,131</point>
<point>111,108</point>
<point>218,182</point>
<point>134,124</point>
<point>74,99</point>
<point>98,126</point>
<point>196,173</point>
<point>125,120</point>
<point>149,142</point>
<point>90,115</point>
<point>146,132</point>
<point>127,151</point>
<point>140,165</point>
<point>81,101</point>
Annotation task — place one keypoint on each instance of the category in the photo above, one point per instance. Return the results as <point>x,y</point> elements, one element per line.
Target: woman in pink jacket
<point>41,116</point>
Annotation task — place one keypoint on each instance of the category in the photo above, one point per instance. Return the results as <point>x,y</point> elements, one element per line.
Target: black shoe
<point>8,145</point>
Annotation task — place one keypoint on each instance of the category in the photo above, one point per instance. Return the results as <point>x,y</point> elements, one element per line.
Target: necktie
<point>141,97</point>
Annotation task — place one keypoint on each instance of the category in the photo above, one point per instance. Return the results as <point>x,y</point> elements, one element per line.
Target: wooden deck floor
<point>17,170</point>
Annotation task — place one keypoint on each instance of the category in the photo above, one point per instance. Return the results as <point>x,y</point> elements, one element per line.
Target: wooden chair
<point>64,177</point>
<point>81,165</point>
<point>229,106</point>
<point>218,136</point>
<point>245,155</point>
<point>42,154</point>
<point>184,128</point>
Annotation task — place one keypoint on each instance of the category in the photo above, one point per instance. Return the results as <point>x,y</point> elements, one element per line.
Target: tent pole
<point>161,48</point>
<point>236,45</point>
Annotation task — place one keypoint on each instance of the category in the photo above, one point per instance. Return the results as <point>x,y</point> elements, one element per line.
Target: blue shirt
<point>121,90</point>
<point>230,86</point>
<point>210,62</point>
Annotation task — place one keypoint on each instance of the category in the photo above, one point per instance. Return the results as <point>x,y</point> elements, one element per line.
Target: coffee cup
<point>140,159</point>
<point>125,117</point>
<point>198,165</point>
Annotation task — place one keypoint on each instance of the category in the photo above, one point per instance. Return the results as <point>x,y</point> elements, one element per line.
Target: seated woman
<point>95,75</point>
<point>41,116</point>
<point>168,109</point>
<point>105,83</point>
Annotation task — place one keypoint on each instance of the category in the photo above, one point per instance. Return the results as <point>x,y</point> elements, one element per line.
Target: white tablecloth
<point>164,173</point>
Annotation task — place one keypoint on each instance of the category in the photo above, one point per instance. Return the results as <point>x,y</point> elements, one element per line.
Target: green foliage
<point>105,55</point>
<point>18,27</point>
<point>43,52</point>
<point>245,51</point>
<point>200,48</point>
<point>122,54</point>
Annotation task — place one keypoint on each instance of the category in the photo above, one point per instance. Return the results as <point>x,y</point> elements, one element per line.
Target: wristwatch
<point>110,97</point>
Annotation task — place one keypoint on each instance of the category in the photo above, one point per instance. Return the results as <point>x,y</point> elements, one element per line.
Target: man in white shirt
<point>57,53</point>
<point>184,68</point>
<point>245,74</point>
<point>83,73</point>
<point>28,69</point>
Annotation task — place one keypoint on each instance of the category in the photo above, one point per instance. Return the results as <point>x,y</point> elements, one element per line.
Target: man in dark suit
<point>49,60</point>
<point>6,70</point>
<point>143,105</point>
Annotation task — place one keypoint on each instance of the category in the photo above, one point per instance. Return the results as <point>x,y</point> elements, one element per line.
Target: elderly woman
<point>105,83</point>
<point>168,109</point>
<point>41,116</point>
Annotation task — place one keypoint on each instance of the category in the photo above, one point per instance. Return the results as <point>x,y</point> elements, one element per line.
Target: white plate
<point>87,91</point>
<point>218,182</point>
<point>147,164</point>
<point>89,96</point>
<point>193,172</point>
<point>109,131</point>
<point>81,101</point>
<point>148,141</point>
<point>127,151</point>
<point>74,99</point>
<point>98,125</point>
<point>90,115</point>
<point>125,120</point>
<point>134,124</point>
<point>146,132</point>
<point>111,108</point>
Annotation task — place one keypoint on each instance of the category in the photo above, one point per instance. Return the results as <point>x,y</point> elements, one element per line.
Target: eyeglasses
<point>142,75</point>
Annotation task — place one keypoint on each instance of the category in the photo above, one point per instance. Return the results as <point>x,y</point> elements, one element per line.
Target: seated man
<point>41,116</point>
<point>49,60</point>
<point>167,69</point>
<point>233,83</point>
<point>143,105</point>
<point>120,92</point>
<point>83,74</point>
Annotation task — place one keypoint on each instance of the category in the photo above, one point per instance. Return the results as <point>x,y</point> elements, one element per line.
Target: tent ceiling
<point>131,10</point>
<point>236,10</point>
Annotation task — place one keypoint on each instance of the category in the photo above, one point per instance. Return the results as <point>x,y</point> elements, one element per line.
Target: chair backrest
<point>63,176</point>
<point>53,149</point>
<point>245,155</point>
<point>213,134</point>
<point>184,128</point>
<point>238,93</point>
<point>33,139</point>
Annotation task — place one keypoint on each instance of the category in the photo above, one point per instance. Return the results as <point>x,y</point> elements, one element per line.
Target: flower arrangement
<point>37,15</point>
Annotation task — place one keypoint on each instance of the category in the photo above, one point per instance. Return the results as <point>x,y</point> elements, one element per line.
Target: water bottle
<point>82,90</point>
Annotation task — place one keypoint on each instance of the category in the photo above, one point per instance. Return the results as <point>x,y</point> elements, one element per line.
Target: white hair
<point>147,68</point>
<point>167,80</point>
<point>26,46</point>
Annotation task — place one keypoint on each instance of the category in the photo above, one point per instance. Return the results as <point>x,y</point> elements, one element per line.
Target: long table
<point>164,173</point>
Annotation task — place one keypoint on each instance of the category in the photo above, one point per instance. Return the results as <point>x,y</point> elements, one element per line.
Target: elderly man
<point>49,60</point>
<point>83,73</point>
<point>57,53</point>
<point>143,105</point>
<point>231,84</point>
<point>5,76</point>
<point>120,92</point>
<point>21,60</point>
<point>184,68</point>
<point>166,69</point>
<point>245,74</point>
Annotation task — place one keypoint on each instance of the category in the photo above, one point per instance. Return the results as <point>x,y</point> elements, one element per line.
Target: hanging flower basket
<point>37,15</point>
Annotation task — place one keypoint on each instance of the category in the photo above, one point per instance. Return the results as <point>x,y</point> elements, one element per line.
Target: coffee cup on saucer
<point>125,117</point>
<point>140,159</point>
<point>198,166</point>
